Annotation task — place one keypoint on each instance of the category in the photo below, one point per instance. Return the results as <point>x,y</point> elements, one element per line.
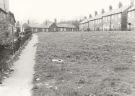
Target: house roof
<point>25,25</point>
<point>116,11</point>
<point>84,21</point>
<point>47,26</point>
<point>96,17</point>
<point>66,25</point>
<point>3,11</point>
<point>38,26</point>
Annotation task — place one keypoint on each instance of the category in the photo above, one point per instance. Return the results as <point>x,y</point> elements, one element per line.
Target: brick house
<point>109,21</point>
<point>116,19</point>
<point>96,23</point>
<point>84,25</point>
<point>7,23</point>
<point>39,28</point>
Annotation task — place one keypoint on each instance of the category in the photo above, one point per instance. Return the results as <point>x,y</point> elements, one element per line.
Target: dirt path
<point>20,82</point>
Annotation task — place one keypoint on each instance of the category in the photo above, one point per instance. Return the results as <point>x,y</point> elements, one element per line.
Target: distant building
<point>116,19</point>
<point>54,27</point>
<point>113,20</point>
<point>66,27</point>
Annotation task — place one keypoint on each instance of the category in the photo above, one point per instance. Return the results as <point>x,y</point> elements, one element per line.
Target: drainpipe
<point>110,22</point>
<point>102,25</point>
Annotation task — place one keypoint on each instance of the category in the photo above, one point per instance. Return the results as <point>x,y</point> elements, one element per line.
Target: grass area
<point>94,64</point>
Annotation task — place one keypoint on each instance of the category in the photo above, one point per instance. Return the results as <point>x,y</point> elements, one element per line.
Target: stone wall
<point>5,29</point>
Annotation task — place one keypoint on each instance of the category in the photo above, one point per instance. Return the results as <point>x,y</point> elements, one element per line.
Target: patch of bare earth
<point>89,64</point>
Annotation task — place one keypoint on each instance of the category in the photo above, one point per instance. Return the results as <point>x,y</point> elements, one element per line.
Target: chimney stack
<point>103,11</point>
<point>110,8</point>
<point>90,16</point>
<point>96,13</point>
<point>132,3</point>
<point>120,4</point>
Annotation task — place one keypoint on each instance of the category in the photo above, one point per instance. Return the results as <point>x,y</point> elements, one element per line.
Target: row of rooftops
<point>60,25</point>
<point>111,12</point>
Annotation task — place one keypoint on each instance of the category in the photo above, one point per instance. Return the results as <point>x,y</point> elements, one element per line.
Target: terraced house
<point>54,27</point>
<point>116,19</point>
<point>84,25</point>
<point>97,23</point>
<point>110,21</point>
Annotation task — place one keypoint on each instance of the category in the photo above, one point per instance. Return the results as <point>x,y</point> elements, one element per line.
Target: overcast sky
<point>41,10</point>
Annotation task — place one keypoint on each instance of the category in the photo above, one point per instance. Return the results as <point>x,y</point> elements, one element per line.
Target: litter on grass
<point>57,60</point>
<point>37,79</point>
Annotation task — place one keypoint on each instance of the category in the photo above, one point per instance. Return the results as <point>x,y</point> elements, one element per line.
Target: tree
<point>18,29</point>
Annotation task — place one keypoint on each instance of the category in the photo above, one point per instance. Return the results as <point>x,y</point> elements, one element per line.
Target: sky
<point>41,10</point>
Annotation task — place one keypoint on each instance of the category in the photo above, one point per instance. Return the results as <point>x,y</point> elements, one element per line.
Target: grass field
<point>92,64</point>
